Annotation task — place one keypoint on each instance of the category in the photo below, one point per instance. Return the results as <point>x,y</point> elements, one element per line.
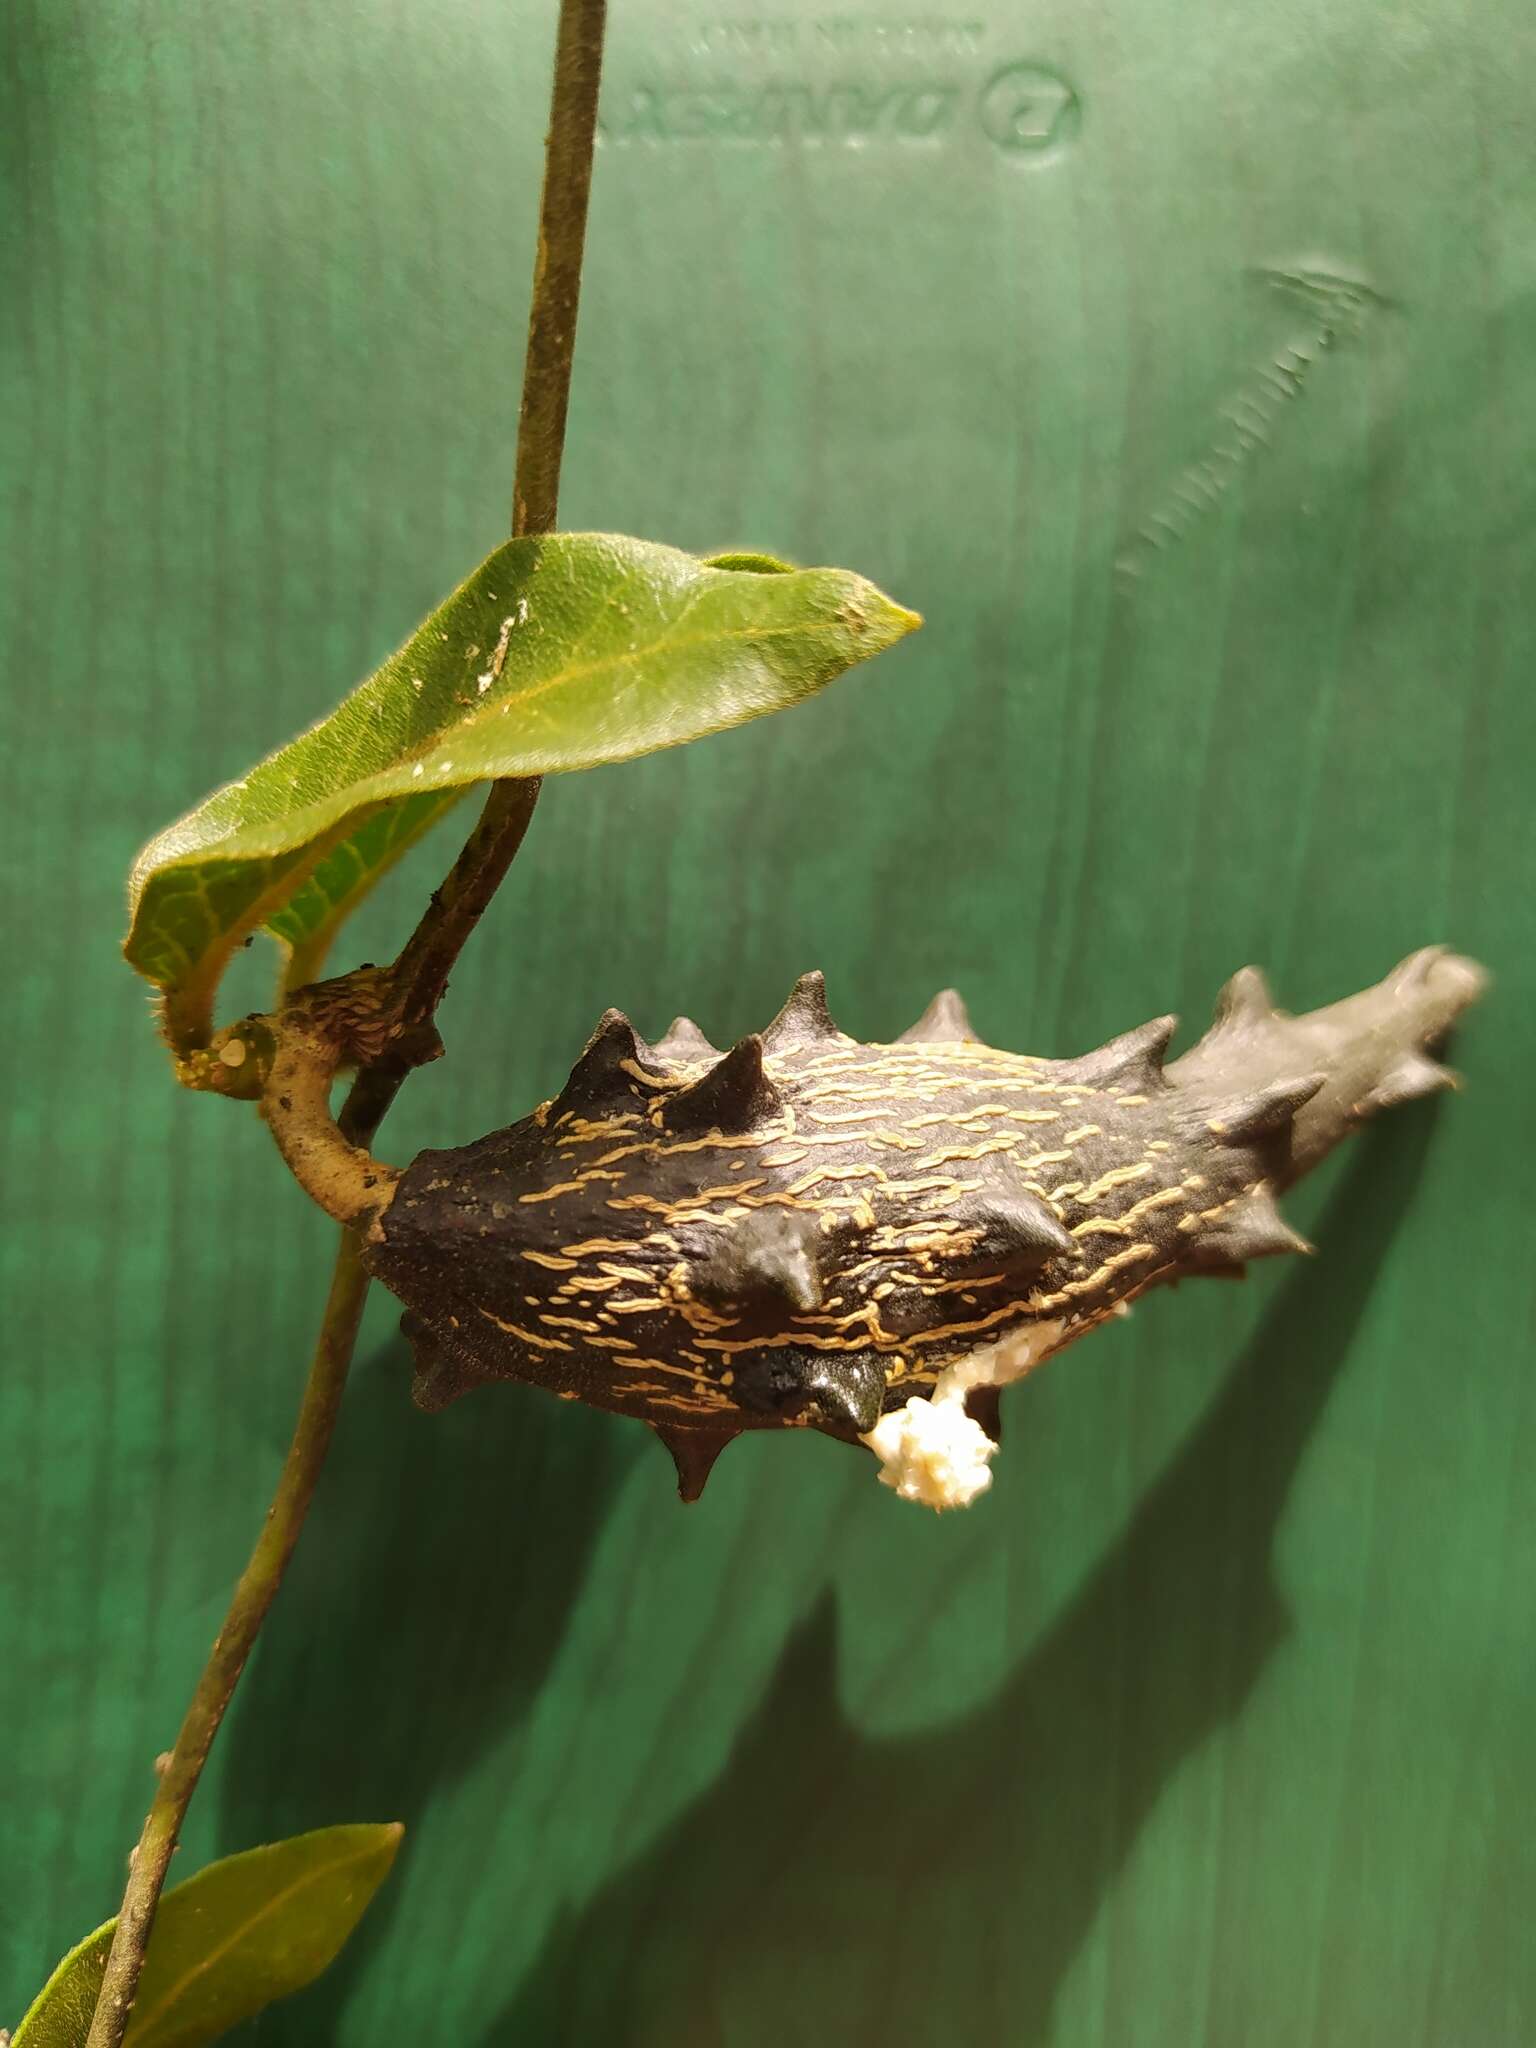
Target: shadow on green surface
<point>934,1888</point>
<point>421,1613</point>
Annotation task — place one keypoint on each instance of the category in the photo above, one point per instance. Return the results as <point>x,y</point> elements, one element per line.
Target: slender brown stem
<point>557,265</point>
<point>421,973</point>
<point>422,976</point>
<point>247,1610</point>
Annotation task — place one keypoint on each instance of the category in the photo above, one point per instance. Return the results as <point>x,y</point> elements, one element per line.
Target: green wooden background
<point>1177,358</point>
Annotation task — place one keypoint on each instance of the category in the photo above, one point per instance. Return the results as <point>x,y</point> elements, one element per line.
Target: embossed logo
<point>1026,107</point>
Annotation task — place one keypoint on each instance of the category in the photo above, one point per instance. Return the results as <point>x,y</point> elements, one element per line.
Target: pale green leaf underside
<point>242,1933</point>
<point>322,903</point>
<point>558,653</point>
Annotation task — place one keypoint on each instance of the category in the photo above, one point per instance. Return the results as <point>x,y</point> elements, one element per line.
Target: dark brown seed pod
<point>807,1231</point>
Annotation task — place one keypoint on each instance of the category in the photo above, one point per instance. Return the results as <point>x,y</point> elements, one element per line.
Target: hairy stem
<point>421,977</point>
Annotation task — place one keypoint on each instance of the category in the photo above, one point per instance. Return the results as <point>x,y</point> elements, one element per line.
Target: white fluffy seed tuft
<point>931,1451</point>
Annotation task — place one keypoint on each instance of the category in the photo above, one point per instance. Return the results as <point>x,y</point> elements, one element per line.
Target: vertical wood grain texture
<point>1212,1724</point>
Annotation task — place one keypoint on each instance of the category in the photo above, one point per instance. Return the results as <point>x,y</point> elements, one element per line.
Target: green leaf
<point>321,905</point>
<point>243,1932</point>
<point>557,653</point>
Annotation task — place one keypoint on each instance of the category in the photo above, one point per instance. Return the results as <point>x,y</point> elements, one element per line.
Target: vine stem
<point>420,976</point>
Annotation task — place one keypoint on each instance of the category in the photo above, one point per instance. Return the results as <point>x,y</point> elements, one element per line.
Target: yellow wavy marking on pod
<point>1010,1116</point>
<point>527,1336</point>
<point>583,1131</point>
<point>566,1187</point>
<point>906,1239</point>
<point>1129,1257</point>
<point>984,1150</point>
<point>664,1082</point>
<point>1011,1310</point>
<point>1160,1200</point>
<point>814,1337</point>
<point>786,1201</point>
<point>943,1183</point>
<point>878,1099</point>
<point>863,1171</point>
<point>731,1191</point>
<point>553,1260</point>
<point>1116,1177</point>
<point>1083,1131</point>
<point>804,1141</point>
<point>1199,1218</point>
<point>679,1372</point>
<point>970,1283</point>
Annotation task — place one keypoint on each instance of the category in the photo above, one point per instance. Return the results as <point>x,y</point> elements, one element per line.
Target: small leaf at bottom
<point>243,1932</point>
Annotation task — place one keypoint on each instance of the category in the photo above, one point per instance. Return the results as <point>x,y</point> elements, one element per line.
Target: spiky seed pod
<point>734,1095</point>
<point>944,1022</point>
<point>685,1041</point>
<point>807,1231</point>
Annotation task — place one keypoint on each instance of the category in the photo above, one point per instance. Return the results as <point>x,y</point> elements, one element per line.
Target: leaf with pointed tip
<point>944,1022</point>
<point>246,1931</point>
<point>558,653</point>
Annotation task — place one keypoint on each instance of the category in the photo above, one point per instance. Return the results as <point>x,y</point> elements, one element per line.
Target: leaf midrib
<point>214,1955</point>
<point>477,715</point>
